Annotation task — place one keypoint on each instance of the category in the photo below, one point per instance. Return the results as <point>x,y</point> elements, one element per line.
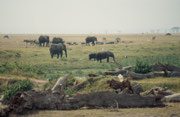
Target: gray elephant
<point>104,55</point>
<point>43,40</point>
<point>91,40</point>
<point>58,49</point>
<point>57,40</point>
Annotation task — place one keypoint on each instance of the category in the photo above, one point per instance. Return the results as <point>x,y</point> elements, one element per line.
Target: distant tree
<point>175,29</point>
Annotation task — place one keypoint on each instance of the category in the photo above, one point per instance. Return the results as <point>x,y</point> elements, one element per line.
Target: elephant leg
<point>51,55</point>
<point>107,59</point>
<point>61,54</point>
<point>100,61</point>
<point>57,55</point>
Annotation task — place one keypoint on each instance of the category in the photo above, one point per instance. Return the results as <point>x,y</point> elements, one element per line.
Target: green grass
<point>17,58</point>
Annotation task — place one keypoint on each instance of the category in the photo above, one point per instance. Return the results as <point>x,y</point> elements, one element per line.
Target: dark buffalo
<point>58,49</point>
<point>43,40</point>
<point>57,40</point>
<point>91,40</point>
<point>92,56</point>
<point>104,55</point>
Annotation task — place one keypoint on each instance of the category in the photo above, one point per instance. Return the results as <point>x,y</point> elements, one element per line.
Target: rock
<point>172,98</point>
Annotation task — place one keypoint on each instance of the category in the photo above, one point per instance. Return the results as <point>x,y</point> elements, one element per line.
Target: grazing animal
<point>44,40</point>
<point>168,34</point>
<point>57,40</point>
<point>58,49</point>
<point>118,39</point>
<point>104,55</point>
<point>99,43</point>
<point>83,43</point>
<point>92,56</point>
<point>6,36</point>
<point>153,38</point>
<point>91,40</point>
<point>111,42</point>
<point>104,38</point>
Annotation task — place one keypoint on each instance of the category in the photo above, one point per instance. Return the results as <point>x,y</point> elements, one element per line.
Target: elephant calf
<point>104,55</point>
<point>58,49</point>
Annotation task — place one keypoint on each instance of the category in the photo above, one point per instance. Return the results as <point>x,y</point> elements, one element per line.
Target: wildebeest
<point>57,40</point>
<point>104,38</point>
<point>91,40</point>
<point>43,40</point>
<point>118,39</point>
<point>154,37</point>
<point>169,34</point>
<point>99,43</point>
<point>31,41</point>
<point>83,43</point>
<point>72,43</point>
<point>111,42</point>
<point>6,36</point>
<point>92,56</point>
<point>104,55</point>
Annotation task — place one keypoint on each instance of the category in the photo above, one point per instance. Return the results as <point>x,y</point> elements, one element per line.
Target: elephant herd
<point>57,47</point>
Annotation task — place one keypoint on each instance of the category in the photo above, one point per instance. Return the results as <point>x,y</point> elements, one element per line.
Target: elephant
<point>43,40</point>
<point>58,49</point>
<point>104,55</point>
<point>91,39</point>
<point>57,40</point>
<point>92,56</point>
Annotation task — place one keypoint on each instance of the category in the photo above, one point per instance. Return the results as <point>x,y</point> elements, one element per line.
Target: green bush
<point>6,68</point>
<point>17,55</point>
<point>23,85</point>
<point>142,67</point>
<point>70,81</point>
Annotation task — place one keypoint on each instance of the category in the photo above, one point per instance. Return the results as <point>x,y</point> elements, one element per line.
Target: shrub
<point>23,85</point>
<point>18,55</point>
<point>6,68</point>
<point>69,92</point>
<point>70,81</point>
<point>142,67</point>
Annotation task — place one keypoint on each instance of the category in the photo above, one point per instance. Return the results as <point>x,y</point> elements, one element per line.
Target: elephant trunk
<point>113,58</point>
<point>65,52</point>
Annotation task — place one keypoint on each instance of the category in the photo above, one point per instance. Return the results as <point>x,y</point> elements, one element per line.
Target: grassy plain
<point>21,60</point>
<point>35,61</point>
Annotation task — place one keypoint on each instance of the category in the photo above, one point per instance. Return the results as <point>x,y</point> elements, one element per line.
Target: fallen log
<point>55,99</point>
<point>167,67</point>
